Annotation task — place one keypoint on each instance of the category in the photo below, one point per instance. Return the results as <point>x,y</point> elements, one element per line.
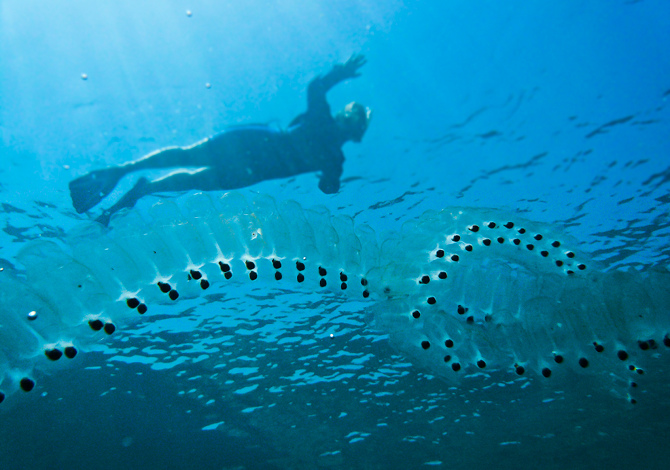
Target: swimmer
<point>245,155</point>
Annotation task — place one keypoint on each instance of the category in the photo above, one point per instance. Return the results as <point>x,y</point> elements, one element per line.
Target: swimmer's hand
<point>350,68</point>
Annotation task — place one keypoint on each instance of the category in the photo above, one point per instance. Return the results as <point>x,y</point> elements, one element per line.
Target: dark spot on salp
<point>538,237</point>
<point>486,242</point>
<point>109,328</point>
<point>474,228</point>
<point>454,258</point>
<point>449,343</point>
<point>142,309</point>
<point>343,277</point>
<point>2,397</point>
<point>581,267</point>
<point>492,225</point>
<point>416,314</point>
<point>431,300</point>
<point>253,275</point>
<point>468,247</point>
<point>501,240</point>
<point>300,277</point>
<point>439,253</point>
<point>173,294</point>
<point>276,264</point>
<point>544,253</point>
<point>599,347</point>
<point>509,225</point>
<point>470,320</point>
<point>516,241</point>
<point>277,275</point>
<point>132,303</point>
<point>456,367</point>
<point>447,358</point>
<point>631,367</point>
<point>461,310</point>
<point>456,238</point>
<point>546,372</point>
<point>96,325</point>
<point>639,371</point>
<point>643,345</point>
<point>666,341</point>
<point>488,318</point>
<point>53,354</point>
<point>366,294</point>
<point>622,355</point>
<point>322,283</point>
<point>164,287</point>
<point>70,352</point>
<point>522,231</point>
<point>633,401</point>
<point>559,263</point>
<point>481,364</point>
<point>530,247</point>
<point>569,272</point>
<point>195,274</point>
<point>364,282</point>
<point>322,271</point>
<point>633,384</point>
<point>224,267</point>
<point>570,254</point>
<point>425,344</point>
<point>300,266</point>
<point>79,285</point>
<point>652,344</point>
<point>558,359</point>
<point>228,275</point>
<point>556,244</point>
<point>424,280</point>
<point>27,384</point>
<point>443,275</point>
<point>250,265</point>
<point>583,362</point>
<point>204,284</point>
<point>519,370</point>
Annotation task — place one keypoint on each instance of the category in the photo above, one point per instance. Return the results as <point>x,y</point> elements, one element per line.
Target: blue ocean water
<point>558,111</point>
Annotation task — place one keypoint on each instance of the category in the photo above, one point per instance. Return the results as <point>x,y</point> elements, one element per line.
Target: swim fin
<point>88,190</point>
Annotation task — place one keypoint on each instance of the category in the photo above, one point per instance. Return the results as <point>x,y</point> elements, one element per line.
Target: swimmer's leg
<point>170,157</point>
<point>87,191</point>
<point>208,152</point>
<point>204,180</point>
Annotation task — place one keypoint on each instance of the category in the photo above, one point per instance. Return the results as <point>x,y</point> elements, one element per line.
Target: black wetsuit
<point>247,155</point>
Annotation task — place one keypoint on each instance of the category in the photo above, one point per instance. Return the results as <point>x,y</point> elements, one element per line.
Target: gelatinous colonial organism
<point>461,291</point>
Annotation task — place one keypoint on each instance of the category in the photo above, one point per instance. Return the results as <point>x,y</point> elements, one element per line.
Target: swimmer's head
<point>353,120</point>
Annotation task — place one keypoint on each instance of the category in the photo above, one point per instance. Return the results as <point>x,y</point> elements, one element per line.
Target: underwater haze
<point>438,328</point>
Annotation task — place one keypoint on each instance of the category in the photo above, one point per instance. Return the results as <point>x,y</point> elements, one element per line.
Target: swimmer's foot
<point>87,191</point>
<point>127,201</point>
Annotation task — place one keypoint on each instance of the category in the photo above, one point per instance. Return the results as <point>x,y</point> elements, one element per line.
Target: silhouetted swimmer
<point>245,155</point>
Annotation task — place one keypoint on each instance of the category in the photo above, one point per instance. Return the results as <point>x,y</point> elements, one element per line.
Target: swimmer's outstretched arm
<point>316,92</point>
